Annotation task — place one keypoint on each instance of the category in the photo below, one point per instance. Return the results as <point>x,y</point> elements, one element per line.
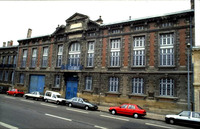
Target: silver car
<point>34,95</point>
<point>82,103</point>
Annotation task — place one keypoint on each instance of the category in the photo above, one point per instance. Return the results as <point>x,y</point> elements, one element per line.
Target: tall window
<point>74,54</point>
<point>113,84</point>
<point>34,56</point>
<point>1,75</point>
<point>9,59</point>
<point>166,87</point>
<point>115,53</point>
<point>139,51</point>
<point>57,81</point>
<point>45,57</point>
<point>14,60</point>
<point>167,49</point>
<point>21,78</point>
<point>4,60</point>
<point>138,87</point>
<point>24,58</point>
<point>6,76</point>
<point>59,56</point>
<point>12,76</point>
<point>90,54</point>
<point>88,83</point>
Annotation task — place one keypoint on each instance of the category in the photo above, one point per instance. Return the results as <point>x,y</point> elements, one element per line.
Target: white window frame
<point>139,51</point>
<point>74,54</point>
<point>45,57</point>
<point>34,57</point>
<point>138,86</point>
<point>21,78</point>
<point>24,58</point>
<point>167,49</point>
<point>115,45</point>
<point>166,87</point>
<point>57,81</point>
<point>59,56</point>
<point>88,83</point>
<point>90,54</point>
<point>113,84</point>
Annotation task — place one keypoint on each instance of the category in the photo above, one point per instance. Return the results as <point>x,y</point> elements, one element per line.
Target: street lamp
<point>188,65</point>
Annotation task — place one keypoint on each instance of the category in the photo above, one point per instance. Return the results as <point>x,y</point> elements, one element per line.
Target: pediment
<point>77,16</point>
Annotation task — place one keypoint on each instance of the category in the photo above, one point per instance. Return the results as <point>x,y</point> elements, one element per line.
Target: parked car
<point>15,92</point>
<point>82,103</point>
<point>128,109</point>
<point>186,117</point>
<point>51,96</point>
<point>3,89</point>
<point>34,95</point>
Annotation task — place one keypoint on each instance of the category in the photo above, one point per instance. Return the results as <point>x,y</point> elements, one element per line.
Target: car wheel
<point>36,99</point>
<point>46,100</point>
<point>15,95</point>
<point>7,93</point>
<point>70,104</point>
<point>86,107</point>
<point>113,112</point>
<point>57,102</point>
<point>171,121</point>
<point>135,115</point>
<point>26,97</point>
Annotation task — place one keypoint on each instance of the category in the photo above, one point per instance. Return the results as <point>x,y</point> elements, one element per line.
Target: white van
<point>51,96</point>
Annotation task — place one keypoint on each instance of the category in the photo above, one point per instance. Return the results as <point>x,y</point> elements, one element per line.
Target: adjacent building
<point>141,61</point>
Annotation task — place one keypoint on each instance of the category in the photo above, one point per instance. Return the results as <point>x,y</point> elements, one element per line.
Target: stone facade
<point>80,29</point>
<point>196,83</point>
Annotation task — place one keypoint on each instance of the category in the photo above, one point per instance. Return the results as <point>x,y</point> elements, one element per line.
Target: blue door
<point>71,87</point>
<point>37,83</point>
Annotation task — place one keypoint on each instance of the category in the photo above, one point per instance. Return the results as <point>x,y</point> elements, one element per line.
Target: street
<point>18,112</point>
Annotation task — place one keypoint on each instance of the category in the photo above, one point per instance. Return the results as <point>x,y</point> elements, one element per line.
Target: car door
<point>122,109</point>
<point>74,102</point>
<point>53,98</point>
<point>184,116</point>
<point>130,109</point>
<point>80,103</point>
<point>195,118</point>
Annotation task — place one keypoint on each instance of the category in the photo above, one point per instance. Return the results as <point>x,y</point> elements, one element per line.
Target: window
<point>88,83</point>
<point>124,106</point>
<point>113,84</point>
<point>131,107</point>
<point>115,31</point>
<point>21,79</point>
<point>90,34</point>
<point>139,51</point>
<point>4,60</point>
<point>45,57</point>
<point>74,54</point>
<point>6,76</point>
<point>1,75</point>
<point>24,57</point>
<point>90,54</point>
<point>59,56</point>
<point>195,114</point>
<point>167,49</point>
<point>166,24</point>
<point>57,81</point>
<point>115,53</point>
<point>166,87</point>
<point>14,60</point>
<point>34,56</point>
<point>12,76</point>
<point>9,59</point>
<point>139,28</point>
<point>138,87</point>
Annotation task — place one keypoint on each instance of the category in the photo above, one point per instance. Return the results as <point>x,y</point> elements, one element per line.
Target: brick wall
<point>182,47</point>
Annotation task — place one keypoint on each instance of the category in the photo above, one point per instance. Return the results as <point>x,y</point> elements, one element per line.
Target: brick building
<point>141,61</point>
<point>8,55</point>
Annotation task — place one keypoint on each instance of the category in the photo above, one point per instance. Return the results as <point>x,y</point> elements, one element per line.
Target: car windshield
<point>85,100</point>
<point>139,107</point>
<point>58,96</point>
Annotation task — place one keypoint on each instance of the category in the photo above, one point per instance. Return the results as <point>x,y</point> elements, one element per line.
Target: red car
<point>15,92</point>
<point>128,109</point>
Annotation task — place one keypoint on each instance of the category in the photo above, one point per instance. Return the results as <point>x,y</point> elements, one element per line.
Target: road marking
<point>115,118</point>
<point>48,105</point>
<point>27,101</point>
<point>9,97</point>
<point>7,125</point>
<point>58,117</point>
<point>76,110</point>
<point>96,126</point>
<point>159,126</point>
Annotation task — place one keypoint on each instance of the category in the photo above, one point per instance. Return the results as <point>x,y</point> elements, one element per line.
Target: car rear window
<point>139,107</point>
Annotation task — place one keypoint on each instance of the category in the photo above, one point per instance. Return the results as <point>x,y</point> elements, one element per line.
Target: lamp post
<point>188,65</point>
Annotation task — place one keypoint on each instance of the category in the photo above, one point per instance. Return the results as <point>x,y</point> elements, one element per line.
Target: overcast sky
<point>44,16</point>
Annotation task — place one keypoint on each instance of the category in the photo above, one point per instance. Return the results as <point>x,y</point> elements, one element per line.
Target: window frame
<point>74,56</point>
<point>88,83</point>
<point>114,84</point>
<point>90,53</point>
<point>45,56</point>
<point>59,56</point>
<point>57,81</point>
<point>34,58</point>
<point>138,83</point>
<point>115,52</point>
<point>164,87</point>
<point>24,58</point>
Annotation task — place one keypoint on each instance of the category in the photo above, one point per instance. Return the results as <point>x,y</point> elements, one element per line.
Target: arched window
<point>166,87</point>
<point>74,54</point>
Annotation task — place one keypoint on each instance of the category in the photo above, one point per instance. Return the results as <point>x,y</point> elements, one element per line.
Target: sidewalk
<point>149,115</point>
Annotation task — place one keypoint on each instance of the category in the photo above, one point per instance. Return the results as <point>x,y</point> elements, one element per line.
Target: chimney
<point>8,43</point>
<point>99,21</point>
<point>192,4</point>
<point>4,44</point>
<point>29,33</point>
<point>11,43</point>
<point>129,17</point>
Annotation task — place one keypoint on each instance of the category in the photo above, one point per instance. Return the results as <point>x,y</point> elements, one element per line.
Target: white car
<point>51,96</point>
<point>34,95</point>
<point>188,117</point>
